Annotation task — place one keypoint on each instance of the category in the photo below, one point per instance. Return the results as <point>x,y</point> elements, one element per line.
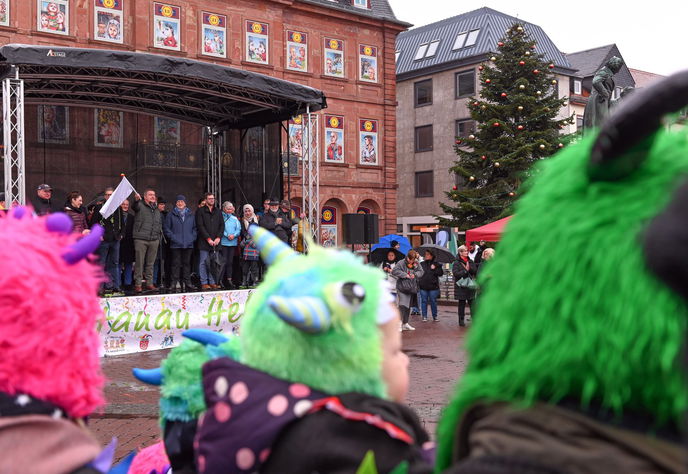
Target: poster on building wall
<point>166,30</point>
<point>4,12</point>
<point>108,128</point>
<point>367,63</point>
<point>297,51</point>
<point>334,57</point>
<point>53,124</point>
<point>53,16</point>
<point>214,35</point>
<point>296,136</point>
<point>108,21</point>
<point>167,131</point>
<point>328,226</point>
<point>334,138</point>
<point>257,44</point>
<point>367,131</point>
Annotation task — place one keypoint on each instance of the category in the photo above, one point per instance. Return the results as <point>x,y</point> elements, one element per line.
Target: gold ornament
<point>496,164</point>
<point>520,28</point>
<point>527,53</point>
<point>542,147</point>
<point>565,104</point>
<point>471,178</point>
<point>539,92</point>
<point>493,58</point>
<point>471,137</point>
<point>554,81</point>
<point>521,87</point>
<point>483,107</point>
<point>520,107</point>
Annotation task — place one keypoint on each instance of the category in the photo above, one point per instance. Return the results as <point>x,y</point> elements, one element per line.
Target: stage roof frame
<point>208,94</point>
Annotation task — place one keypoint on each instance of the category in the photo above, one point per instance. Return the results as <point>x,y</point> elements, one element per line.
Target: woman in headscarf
<point>464,268</point>
<point>249,252</point>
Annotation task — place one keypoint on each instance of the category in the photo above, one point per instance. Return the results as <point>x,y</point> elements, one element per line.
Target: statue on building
<point>600,100</point>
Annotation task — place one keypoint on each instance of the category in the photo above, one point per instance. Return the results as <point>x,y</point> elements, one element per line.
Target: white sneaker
<point>408,327</point>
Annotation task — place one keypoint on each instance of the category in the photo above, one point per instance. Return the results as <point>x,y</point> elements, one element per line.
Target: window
<point>396,56</point>
<point>424,138</point>
<point>577,87</point>
<point>464,128</point>
<point>424,184</point>
<point>579,122</point>
<point>465,83</point>
<point>427,50</point>
<point>361,3</point>
<point>422,92</point>
<point>465,39</point>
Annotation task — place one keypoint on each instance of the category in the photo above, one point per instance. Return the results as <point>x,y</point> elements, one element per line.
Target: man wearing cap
<point>285,209</point>
<point>276,222</point>
<point>147,232</point>
<point>42,202</point>
<point>180,230</point>
<point>108,251</point>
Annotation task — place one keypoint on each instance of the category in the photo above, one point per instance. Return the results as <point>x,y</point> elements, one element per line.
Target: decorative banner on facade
<point>5,12</point>
<point>214,35</point>
<point>141,323</point>
<point>334,57</point>
<point>108,128</point>
<point>53,16</point>
<point>167,130</point>
<point>367,63</point>
<point>329,215</point>
<point>368,141</point>
<point>257,44</point>
<point>328,235</point>
<point>296,136</point>
<point>334,138</point>
<point>166,30</point>
<point>297,51</point>
<point>53,124</point>
<point>108,21</point>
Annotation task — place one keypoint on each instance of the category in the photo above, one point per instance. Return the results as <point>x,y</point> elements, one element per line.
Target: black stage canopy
<point>195,91</point>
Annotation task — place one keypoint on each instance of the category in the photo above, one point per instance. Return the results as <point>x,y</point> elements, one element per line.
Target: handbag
<point>407,285</point>
<point>467,283</point>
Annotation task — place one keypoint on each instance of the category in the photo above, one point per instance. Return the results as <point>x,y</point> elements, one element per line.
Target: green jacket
<point>148,221</point>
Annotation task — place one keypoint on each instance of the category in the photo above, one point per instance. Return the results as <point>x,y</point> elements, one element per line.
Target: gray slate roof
<point>492,25</point>
<point>590,61</point>
<point>380,9</point>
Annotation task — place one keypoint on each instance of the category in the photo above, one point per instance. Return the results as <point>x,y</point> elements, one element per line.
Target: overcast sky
<point>650,39</point>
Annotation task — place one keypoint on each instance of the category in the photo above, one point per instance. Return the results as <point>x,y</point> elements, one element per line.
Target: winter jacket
<point>232,227</point>
<point>431,277</point>
<point>180,228</point>
<point>400,270</point>
<point>283,230</point>
<point>78,216</point>
<point>459,271</point>
<point>148,223</point>
<point>126,246</point>
<point>113,225</point>
<point>43,206</point>
<point>249,251</point>
<point>315,432</point>
<point>209,226</point>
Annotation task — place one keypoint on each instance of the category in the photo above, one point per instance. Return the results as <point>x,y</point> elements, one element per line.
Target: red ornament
<point>535,71</point>
<point>500,44</point>
<point>504,94</point>
<point>512,194</point>
<point>532,46</point>
<point>496,124</point>
<point>551,66</point>
<point>483,157</point>
<point>454,188</point>
<point>480,68</point>
<point>475,104</point>
<point>458,142</point>
<point>521,63</point>
<point>487,81</point>
<point>520,127</point>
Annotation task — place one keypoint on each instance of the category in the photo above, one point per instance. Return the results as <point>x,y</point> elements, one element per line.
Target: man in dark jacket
<point>43,201</point>
<point>209,225</point>
<point>429,285</point>
<point>108,251</point>
<point>147,232</point>
<point>180,230</point>
<point>276,221</point>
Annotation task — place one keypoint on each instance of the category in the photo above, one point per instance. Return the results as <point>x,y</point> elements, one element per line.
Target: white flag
<point>124,189</point>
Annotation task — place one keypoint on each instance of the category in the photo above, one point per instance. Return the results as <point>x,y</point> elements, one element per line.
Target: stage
<point>147,323</point>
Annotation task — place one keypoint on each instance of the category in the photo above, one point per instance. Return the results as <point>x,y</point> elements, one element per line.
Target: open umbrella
<point>386,242</point>
<point>442,255</point>
<point>379,255</point>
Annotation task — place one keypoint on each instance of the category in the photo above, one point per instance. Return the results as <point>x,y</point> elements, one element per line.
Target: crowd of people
<point>148,246</point>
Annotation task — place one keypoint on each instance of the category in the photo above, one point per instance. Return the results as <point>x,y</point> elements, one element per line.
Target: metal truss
<point>13,134</point>
<point>214,163</point>
<point>310,181</point>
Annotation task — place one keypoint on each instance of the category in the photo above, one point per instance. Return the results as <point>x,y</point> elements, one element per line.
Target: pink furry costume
<point>50,376</point>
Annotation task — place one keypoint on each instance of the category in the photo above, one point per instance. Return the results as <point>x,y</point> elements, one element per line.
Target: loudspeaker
<point>354,228</point>
<point>371,228</point>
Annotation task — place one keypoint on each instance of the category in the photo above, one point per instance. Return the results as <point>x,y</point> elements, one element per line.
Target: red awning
<point>490,232</point>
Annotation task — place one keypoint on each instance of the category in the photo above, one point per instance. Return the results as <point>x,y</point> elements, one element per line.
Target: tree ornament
<point>554,81</point>
<point>542,147</point>
<point>454,188</point>
<point>532,46</point>
<point>493,58</point>
<point>471,178</point>
<point>539,92</point>
<point>458,142</point>
<point>551,66</point>
<point>503,95</point>
<point>520,127</point>
<point>496,164</point>
<point>496,124</point>
<point>487,81</point>
<point>520,108</point>
<point>561,145</point>
<point>512,194</point>
<point>481,67</point>
<point>483,157</point>
<point>527,53</point>
<point>521,63</point>
<point>500,44</point>
<point>535,71</point>
<point>471,137</point>
<point>483,107</point>
<point>519,29</point>
<point>565,104</point>
<point>475,104</point>
<point>521,87</point>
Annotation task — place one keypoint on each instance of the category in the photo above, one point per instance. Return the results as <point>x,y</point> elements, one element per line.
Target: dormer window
<point>465,39</point>
<point>577,87</point>
<point>427,50</point>
<point>361,3</point>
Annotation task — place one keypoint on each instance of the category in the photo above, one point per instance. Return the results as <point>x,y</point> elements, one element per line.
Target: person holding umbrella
<point>429,284</point>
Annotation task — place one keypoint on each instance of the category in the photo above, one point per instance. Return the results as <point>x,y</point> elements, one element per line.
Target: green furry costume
<point>571,310</point>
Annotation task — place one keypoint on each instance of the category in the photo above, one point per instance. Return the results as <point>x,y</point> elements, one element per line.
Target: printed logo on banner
<point>297,51</point>
<point>334,138</point>
<point>166,26</point>
<point>334,57</point>
<point>368,140</point>
<point>214,35</point>
<point>367,63</point>
<point>257,42</point>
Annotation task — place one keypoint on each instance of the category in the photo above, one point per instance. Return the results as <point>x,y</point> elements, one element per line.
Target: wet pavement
<point>435,350</point>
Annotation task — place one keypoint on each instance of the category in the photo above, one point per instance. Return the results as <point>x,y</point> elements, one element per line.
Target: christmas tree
<point>517,125</point>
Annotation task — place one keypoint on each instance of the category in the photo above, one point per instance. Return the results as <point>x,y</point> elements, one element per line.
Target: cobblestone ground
<point>436,355</point>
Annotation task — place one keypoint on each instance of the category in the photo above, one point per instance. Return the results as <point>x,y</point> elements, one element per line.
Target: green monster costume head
<point>571,310</point>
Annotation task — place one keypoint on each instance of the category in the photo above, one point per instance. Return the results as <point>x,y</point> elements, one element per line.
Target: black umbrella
<point>379,255</point>
<point>215,264</point>
<point>442,255</point>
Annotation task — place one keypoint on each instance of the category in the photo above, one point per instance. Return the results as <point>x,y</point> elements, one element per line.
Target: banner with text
<point>146,323</point>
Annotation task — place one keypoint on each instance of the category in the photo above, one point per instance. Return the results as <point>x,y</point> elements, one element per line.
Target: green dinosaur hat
<point>571,309</point>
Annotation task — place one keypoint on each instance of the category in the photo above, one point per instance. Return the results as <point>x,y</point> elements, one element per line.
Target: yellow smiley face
<point>167,11</point>
<point>214,20</point>
<point>368,126</point>
<point>327,215</point>
<point>334,44</point>
<point>296,37</point>
<point>334,122</point>
<point>257,28</point>
<point>108,3</point>
<point>297,120</point>
<point>368,51</point>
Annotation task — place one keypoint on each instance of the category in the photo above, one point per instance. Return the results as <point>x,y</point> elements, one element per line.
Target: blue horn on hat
<point>306,313</point>
<point>205,336</point>
<point>271,248</point>
<point>149,376</point>
<point>84,247</point>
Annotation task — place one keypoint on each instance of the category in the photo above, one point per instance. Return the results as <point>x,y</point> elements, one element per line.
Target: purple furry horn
<point>82,248</point>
